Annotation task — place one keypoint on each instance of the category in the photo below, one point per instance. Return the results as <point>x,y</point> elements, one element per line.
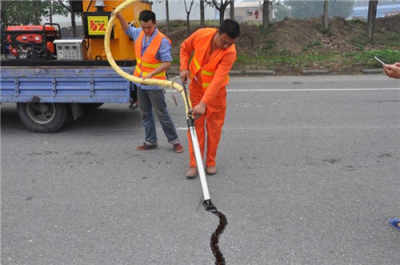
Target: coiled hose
<point>130,77</point>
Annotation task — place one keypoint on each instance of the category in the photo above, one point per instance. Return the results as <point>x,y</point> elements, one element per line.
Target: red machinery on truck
<point>32,41</point>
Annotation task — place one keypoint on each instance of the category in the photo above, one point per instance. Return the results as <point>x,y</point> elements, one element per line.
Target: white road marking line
<point>361,127</point>
<point>241,90</point>
<point>312,89</point>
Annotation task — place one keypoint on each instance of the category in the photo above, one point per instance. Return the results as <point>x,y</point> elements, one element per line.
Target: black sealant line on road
<point>219,257</point>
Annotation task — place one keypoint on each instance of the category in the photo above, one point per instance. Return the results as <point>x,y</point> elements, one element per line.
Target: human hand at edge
<point>198,110</point>
<point>184,74</point>
<point>392,70</point>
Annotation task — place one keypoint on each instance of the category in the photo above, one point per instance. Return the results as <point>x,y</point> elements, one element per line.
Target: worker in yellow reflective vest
<point>153,58</point>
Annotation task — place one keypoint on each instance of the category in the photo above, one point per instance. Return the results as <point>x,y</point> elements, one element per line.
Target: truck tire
<point>43,117</point>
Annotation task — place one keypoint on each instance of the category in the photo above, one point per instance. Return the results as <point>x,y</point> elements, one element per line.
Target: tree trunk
<point>232,10</point>
<point>3,19</point>
<point>325,16</point>
<point>202,20</point>
<point>36,14</point>
<point>3,24</point>
<point>188,9</point>
<point>372,8</point>
<point>51,11</point>
<point>221,12</point>
<point>167,14</point>
<point>188,22</point>
<point>221,16</point>
<point>266,13</point>
<point>73,24</point>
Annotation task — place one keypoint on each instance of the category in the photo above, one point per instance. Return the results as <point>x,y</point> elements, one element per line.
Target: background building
<point>249,11</point>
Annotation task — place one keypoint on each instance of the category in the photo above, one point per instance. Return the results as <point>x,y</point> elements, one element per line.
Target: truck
<point>53,80</point>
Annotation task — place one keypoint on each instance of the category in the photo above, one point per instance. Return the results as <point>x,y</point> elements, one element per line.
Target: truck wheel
<point>43,117</point>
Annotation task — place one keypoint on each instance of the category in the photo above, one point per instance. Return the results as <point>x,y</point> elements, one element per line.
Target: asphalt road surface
<point>308,174</point>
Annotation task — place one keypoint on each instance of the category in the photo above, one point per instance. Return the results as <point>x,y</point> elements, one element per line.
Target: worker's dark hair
<point>147,15</point>
<point>230,27</point>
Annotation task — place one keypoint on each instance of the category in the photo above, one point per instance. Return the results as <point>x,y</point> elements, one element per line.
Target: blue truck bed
<point>48,97</point>
<point>64,85</point>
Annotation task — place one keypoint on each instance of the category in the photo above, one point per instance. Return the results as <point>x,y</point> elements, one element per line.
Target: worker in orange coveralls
<point>214,53</point>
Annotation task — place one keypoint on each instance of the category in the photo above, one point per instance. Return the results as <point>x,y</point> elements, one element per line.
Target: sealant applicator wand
<point>207,203</point>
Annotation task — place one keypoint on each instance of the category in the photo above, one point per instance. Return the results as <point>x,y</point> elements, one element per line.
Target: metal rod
<point>199,162</point>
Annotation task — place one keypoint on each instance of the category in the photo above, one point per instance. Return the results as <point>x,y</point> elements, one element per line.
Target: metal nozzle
<point>209,206</point>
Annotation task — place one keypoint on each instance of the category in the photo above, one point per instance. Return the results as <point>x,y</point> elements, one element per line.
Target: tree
<point>71,10</point>
<point>167,14</point>
<point>266,13</point>
<point>281,11</point>
<point>30,11</point>
<point>202,20</point>
<point>307,9</point>
<point>221,7</point>
<point>3,23</point>
<point>61,5</point>
<point>188,9</point>
<point>51,11</point>
<point>372,8</point>
<point>37,14</point>
<point>232,10</point>
<point>3,18</point>
<point>325,16</point>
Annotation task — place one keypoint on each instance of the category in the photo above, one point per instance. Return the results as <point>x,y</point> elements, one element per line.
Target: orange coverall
<point>209,74</point>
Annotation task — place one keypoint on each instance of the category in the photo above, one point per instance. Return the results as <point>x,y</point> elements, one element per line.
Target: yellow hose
<point>132,78</point>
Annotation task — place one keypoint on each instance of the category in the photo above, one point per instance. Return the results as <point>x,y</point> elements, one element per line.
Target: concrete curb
<point>175,72</point>
<point>372,71</point>
<point>252,72</point>
<point>315,72</point>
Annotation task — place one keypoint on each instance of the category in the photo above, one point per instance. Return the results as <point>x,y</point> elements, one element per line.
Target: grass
<point>284,58</point>
<point>367,57</point>
<point>390,39</point>
<point>364,59</point>
<point>312,45</point>
<point>265,54</point>
<point>360,41</point>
